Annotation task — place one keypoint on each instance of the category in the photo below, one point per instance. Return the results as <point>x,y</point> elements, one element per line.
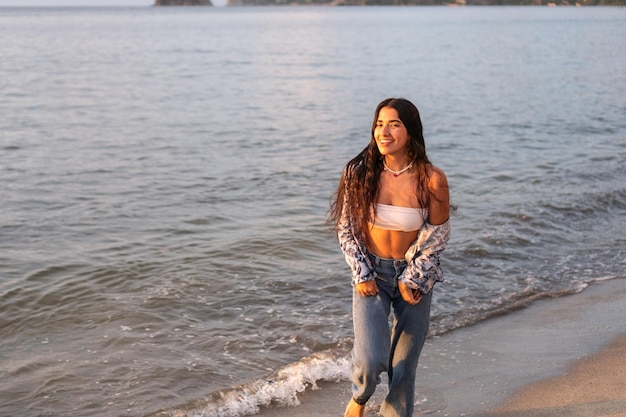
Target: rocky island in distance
<point>395,2</point>
<point>183,3</point>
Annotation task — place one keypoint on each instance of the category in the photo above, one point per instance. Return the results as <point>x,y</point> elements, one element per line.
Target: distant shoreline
<point>548,3</point>
<point>183,3</point>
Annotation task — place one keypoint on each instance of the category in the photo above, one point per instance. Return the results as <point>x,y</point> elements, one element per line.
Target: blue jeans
<point>379,348</point>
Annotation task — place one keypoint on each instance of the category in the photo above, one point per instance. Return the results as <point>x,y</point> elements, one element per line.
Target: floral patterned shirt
<point>423,266</point>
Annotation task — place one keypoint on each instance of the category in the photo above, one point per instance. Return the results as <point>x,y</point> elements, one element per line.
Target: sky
<point>12,3</point>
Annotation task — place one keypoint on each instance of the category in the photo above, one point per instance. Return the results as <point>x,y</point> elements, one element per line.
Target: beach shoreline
<point>482,370</point>
<point>594,386</point>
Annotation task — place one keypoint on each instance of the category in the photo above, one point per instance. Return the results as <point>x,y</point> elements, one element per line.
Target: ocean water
<point>166,174</point>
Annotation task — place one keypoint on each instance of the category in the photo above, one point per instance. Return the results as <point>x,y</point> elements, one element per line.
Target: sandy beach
<point>594,387</point>
<point>556,357</point>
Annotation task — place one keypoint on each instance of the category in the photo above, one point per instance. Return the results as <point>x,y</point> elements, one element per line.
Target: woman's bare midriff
<point>390,244</point>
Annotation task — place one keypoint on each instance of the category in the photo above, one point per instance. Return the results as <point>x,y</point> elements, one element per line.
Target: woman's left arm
<point>423,269</point>
<point>439,203</point>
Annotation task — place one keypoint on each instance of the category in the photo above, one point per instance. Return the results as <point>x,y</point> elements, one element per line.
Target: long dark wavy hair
<point>358,187</point>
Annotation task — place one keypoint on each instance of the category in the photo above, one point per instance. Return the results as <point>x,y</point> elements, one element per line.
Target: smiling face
<point>391,134</point>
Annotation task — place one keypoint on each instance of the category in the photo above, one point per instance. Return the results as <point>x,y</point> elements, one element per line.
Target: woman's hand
<point>408,294</point>
<point>367,288</point>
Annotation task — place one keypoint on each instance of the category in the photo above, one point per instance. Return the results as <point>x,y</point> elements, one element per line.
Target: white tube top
<point>404,219</point>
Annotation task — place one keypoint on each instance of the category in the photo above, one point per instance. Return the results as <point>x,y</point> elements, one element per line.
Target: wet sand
<point>557,357</point>
<point>594,387</point>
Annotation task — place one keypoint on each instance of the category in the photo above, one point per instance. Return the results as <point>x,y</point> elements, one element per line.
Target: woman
<point>391,213</point>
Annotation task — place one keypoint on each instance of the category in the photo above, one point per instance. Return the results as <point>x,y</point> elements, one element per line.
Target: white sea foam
<point>280,388</point>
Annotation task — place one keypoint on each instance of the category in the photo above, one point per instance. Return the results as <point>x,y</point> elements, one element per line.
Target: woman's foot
<point>354,409</point>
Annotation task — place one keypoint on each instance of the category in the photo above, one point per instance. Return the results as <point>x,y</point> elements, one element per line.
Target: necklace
<point>396,173</point>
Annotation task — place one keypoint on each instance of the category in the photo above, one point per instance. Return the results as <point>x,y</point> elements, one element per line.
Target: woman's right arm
<point>354,250</point>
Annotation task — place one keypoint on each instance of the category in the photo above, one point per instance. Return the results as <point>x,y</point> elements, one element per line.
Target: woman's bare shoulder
<point>436,178</point>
